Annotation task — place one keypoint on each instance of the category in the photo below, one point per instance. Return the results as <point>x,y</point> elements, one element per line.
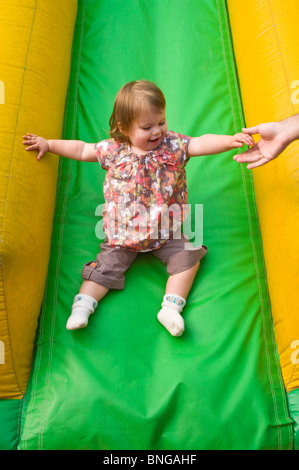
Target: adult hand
<point>274,138</point>
<point>270,145</point>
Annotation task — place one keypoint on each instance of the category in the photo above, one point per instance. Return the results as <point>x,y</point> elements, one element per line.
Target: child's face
<point>148,131</point>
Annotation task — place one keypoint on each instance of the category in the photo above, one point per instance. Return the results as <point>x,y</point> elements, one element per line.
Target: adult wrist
<point>290,129</point>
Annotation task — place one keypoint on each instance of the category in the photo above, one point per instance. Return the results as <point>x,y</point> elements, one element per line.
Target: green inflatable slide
<point>124,382</point>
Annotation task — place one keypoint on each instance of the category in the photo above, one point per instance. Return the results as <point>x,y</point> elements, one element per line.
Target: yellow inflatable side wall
<point>265,36</point>
<point>32,98</point>
<point>33,92</point>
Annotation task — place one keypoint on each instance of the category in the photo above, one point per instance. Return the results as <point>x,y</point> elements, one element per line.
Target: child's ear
<point>121,129</point>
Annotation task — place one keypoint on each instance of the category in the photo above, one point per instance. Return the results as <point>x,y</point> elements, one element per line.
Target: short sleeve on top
<point>106,151</point>
<point>178,145</point>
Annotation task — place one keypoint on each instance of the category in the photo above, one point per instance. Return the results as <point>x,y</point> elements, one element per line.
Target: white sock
<point>169,316</point>
<point>82,308</point>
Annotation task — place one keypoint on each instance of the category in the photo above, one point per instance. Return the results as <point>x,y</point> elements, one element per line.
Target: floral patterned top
<point>145,195</point>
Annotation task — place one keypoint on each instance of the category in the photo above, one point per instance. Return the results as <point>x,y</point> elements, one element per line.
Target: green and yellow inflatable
<point>232,380</point>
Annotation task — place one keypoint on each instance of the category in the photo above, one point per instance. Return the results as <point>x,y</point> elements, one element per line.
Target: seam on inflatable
<point>291,377</point>
<point>277,359</point>
<point>220,22</point>
<point>295,367</point>
<point>292,105</point>
<point>263,307</point>
<point>261,298</point>
<point>19,421</point>
<point>61,231</point>
<point>272,335</point>
<point>36,375</point>
<point>6,194</point>
<point>29,410</point>
<point>251,231</point>
<point>39,354</point>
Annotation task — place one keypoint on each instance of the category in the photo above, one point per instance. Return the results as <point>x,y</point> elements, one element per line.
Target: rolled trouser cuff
<point>90,273</point>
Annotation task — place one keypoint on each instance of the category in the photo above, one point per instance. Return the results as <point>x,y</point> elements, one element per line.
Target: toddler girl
<point>145,199</point>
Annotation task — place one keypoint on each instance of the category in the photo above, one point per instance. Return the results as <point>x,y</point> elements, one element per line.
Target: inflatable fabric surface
<point>268,66</point>
<point>34,75</point>
<point>124,382</point>
<point>34,91</point>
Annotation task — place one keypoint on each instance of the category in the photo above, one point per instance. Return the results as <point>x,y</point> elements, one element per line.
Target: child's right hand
<point>36,143</point>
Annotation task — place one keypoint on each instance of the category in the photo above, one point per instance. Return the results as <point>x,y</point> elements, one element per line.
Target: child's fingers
<point>31,142</point>
<point>238,144</point>
<point>29,136</point>
<point>242,139</point>
<point>247,139</point>
<point>32,147</point>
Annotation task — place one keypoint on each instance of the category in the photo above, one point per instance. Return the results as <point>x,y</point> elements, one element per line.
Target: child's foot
<point>170,317</point>
<point>82,308</point>
<point>172,321</point>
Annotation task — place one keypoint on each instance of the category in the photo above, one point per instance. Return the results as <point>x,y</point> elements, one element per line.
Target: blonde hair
<point>132,100</point>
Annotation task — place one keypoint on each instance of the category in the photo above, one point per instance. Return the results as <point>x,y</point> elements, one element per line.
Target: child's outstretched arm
<point>211,144</point>
<point>74,149</point>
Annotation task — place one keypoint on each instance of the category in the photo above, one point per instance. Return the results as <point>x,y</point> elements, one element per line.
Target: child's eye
<point>162,123</point>
<point>146,128</point>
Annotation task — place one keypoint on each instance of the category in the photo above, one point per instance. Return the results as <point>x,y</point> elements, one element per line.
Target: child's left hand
<point>238,140</point>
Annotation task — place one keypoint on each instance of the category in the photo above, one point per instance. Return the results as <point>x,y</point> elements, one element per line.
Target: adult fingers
<point>250,155</point>
<point>260,162</point>
<point>250,130</point>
